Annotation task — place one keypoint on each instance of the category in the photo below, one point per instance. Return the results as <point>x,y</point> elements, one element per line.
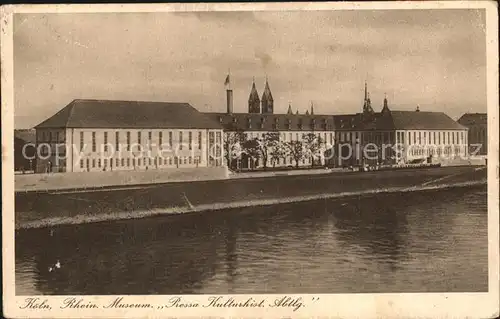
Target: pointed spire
<point>267,92</point>
<point>254,89</point>
<point>307,112</point>
<point>367,105</point>
<point>254,100</point>
<point>386,105</point>
<point>289,109</point>
<point>297,112</point>
<point>267,99</point>
<point>312,108</point>
<point>366,91</point>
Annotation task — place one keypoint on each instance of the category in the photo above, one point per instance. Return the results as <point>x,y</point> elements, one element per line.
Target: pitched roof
<point>363,122</point>
<point>396,120</point>
<point>348,122</point>
<point>273,122</point>
<point>412,120</point>
<point>473,119</point>
<point>128,114</point>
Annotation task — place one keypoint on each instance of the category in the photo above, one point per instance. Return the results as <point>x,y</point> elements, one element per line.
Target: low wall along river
<point>55,181</point>
<point>40,209</point>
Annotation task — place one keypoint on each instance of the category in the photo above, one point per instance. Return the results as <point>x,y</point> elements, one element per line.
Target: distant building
<point>478,132</point>
<point>370,137</point>
<point>24,150</point>
<point>103,135</point>
<point>421,136</point>
<point>261,120</point>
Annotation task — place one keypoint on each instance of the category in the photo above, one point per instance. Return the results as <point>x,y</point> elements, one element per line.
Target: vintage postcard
<point>269,160</point>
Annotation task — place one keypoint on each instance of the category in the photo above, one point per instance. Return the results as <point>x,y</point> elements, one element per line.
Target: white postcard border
<point>416,305</point>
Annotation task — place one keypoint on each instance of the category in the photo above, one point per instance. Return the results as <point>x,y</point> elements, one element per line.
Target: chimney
<point>229,94</point>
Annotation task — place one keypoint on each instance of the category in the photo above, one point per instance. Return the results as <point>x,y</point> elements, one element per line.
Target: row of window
<point>433,137</point>
<point>51,137</point>
<point>133,162</point>
<point>325,138</point>
<point>436,151</point>
<point>289,161</point>
<point>52,148</point>
<point>348,136</point>
<point>312,125</point>
<point>421,137</point>
<point>290,136</point>
<point>478,134</point>
<point>140,140</point>
<point>368,137</point>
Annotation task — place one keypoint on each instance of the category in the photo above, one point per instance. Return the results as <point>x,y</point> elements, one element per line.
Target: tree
<point>252,149</point>
<point>232,145</point>
<point>266,144</point>
<point>278,152</point>
<point>296,149</point>
<point>313,144</point>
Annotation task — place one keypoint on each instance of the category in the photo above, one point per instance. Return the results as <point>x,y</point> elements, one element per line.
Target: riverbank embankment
<point>40,209</point>
<point>96,180</point>
<point>133,179</point>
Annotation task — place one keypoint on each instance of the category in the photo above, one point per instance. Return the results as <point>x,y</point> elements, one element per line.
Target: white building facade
<point>399,137</point>
<point>313,133</point>
<point>68,143</point>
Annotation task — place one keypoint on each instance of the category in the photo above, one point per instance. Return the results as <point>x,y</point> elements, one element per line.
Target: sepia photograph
<point>265,157</point>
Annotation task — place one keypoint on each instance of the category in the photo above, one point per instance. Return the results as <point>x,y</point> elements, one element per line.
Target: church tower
<point>267,100</point>
<point>367,105</point>
<point>386,106</point>
<point>253,100</point>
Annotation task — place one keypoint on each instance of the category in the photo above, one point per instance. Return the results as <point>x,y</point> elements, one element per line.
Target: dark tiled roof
<point>348,122</point>
<point>128,114</point>
<point>273,122</point>
<point>361,122</point>
<point>412,120</point>
<point>469,119</point>
<point>397,120</point>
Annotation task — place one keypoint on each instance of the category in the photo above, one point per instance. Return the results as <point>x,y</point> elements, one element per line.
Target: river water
<point>427,241</point>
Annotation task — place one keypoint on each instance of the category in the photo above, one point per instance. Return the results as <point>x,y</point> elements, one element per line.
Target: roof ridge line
<point>70,113</point>
<point>129,101</point>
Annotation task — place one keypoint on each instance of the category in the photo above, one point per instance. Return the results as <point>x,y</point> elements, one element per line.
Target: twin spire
<point>266,104</point>
<point>367,104</point>
<point>255,103</point>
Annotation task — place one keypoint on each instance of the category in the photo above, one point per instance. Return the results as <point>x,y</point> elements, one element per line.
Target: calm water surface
<point>401,242</point>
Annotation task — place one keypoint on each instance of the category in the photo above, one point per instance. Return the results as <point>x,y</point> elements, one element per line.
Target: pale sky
<point>432,58</point>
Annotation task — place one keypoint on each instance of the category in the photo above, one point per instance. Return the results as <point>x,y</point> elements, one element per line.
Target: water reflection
<point>392,242</point>
<point>141,255</point>
<point>376,225</point>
